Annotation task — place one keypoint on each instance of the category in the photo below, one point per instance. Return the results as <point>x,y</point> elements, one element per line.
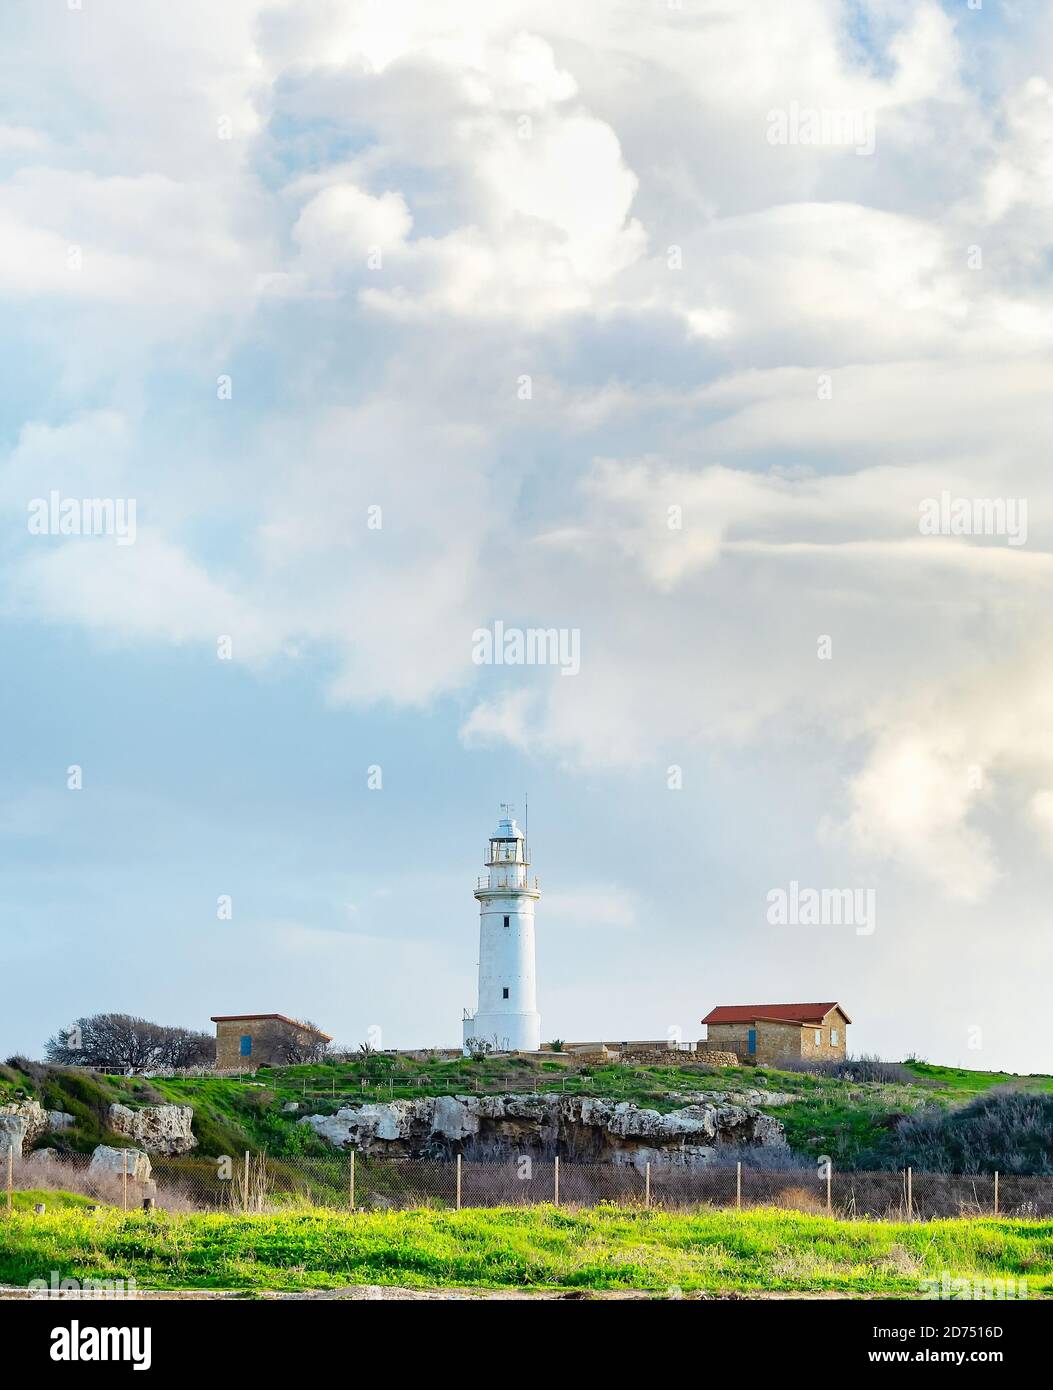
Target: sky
<point>665,326</point>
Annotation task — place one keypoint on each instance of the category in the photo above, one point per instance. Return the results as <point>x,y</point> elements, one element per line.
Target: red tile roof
<point>781,1013</point>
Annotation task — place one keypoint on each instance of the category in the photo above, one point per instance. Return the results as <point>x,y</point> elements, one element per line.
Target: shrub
<point>1005,1129</point>
<point>865,1068</point>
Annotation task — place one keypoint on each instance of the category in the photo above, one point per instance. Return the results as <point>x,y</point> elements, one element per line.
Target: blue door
<point>752,1041</point>
<point>246,1045</point>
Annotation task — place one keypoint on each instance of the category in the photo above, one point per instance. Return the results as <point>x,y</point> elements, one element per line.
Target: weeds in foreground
<point>539,1247</point>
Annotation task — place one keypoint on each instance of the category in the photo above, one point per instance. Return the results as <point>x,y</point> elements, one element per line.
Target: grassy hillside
<point>538,1247</point>
<point>836,1117</point>
<point>226,1120</point>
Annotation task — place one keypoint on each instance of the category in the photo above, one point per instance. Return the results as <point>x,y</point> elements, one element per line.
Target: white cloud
<point>341,225</point>
<point>504,720</point>
<point>524,169</point>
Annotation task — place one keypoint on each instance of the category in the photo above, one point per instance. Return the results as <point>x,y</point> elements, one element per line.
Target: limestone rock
<point>59,1120</point>
<point>159,1129</point>
<point>21,1125</point>
<point>12,1135</point>
<point>111,1162</point>
<point>764,1099</point>
<point>582,1128</point>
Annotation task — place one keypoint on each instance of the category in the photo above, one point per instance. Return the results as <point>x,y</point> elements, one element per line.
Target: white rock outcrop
<point>21,1125</point>
<point>583,1128</point>
<point>159,1129</point>
<point>111,1162</point>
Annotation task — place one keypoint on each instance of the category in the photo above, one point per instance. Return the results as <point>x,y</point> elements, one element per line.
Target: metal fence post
<point>829,1181</point>
<point>245,1184</point>
<point>125,1182</point>
<point>10,1179</point>
<point>996,1193</point>
<point>555,1196</point>
<point>458,1182</point>
<point>910,1194</point>
<point>647,1184</point>
<point>352,1179</point>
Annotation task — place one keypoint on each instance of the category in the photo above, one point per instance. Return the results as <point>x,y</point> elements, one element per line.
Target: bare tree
<point>183,1047</point>
<point>280,1044</point>
<point>119,1042</point>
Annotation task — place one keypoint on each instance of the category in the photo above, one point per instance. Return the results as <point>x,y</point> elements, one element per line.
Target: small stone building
<point>244,1041</point>
<point>767,1033</point>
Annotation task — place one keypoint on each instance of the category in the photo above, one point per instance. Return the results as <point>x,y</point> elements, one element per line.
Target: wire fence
<point>347,1181</point>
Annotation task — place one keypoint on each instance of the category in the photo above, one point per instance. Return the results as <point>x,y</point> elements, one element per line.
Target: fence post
<point>829,1181</point>
<point>125,1182</point>
<point>647,1184</point>
<point>352,1179</point>
<point>910,1194</point>
<point>996,1193</point>
<point>738,1186</point>
<point>458,1182</point>
<point>555,1197</point>
<point>245,1184</point>
<point>10,1179</point>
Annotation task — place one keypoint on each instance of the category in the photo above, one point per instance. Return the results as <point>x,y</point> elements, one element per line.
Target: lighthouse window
<point>504,992</point>
<point>506,921</point>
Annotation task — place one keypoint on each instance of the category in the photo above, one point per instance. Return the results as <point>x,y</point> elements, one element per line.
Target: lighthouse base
<point>504,1032</point>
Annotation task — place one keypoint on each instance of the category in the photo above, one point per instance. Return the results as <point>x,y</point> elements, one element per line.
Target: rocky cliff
<point>578,1128</point>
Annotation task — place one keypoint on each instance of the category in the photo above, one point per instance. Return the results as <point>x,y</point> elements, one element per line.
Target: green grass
<point>54,1201</point>
<point>605,1248</point>
<point>957,1084</point>
<point>841,1118</point>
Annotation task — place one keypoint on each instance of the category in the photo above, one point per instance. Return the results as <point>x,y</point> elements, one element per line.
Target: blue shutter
<point>752,1043</point>
<point>246,1045</point>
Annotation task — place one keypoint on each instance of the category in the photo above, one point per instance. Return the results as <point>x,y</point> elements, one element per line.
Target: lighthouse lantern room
<point>507,1018</point>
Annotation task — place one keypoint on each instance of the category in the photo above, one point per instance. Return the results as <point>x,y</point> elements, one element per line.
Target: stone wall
<point>676,1057</point>
<point>777,1040</point>
<point>263,1031</point>
<point>826,1049</point>
<point>732,1037</point>
<point>715,1057</point>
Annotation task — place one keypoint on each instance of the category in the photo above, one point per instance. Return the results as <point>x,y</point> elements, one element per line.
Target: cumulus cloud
<point>721,452</point>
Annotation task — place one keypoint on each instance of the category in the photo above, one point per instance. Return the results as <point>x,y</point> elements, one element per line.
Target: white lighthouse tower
<point>507,1015</point>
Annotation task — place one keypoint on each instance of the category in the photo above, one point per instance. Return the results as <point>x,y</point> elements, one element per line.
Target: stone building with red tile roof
<point>767,1033</point>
